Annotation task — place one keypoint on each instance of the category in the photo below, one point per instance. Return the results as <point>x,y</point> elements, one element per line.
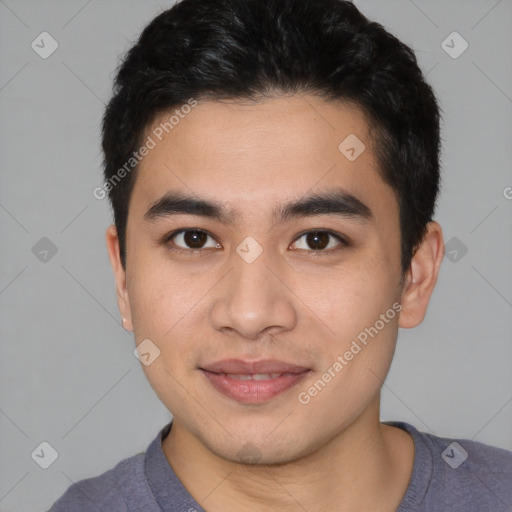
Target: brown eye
<point>319,241</point>
<point>193,239</point>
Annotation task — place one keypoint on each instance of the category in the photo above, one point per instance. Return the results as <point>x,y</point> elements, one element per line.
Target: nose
<point>253,298</point>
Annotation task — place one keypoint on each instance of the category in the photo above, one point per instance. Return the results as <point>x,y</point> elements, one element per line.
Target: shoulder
<point>474,473</point>
<point>113,490</point>
<point>462,473</point>
<point>467,458</point>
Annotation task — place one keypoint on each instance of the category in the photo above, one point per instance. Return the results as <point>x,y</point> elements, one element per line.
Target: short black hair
<point>255,50</point>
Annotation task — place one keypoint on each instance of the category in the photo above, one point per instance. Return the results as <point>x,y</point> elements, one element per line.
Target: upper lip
<point>238,366</point>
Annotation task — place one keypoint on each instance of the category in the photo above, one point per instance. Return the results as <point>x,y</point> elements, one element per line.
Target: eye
<point>188,240</point>
<point>319,241</point>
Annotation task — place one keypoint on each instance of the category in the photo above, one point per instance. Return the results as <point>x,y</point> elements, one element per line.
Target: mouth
<point>253,382</point>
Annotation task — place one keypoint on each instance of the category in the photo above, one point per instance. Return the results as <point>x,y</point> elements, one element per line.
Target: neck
<point>367,466</point>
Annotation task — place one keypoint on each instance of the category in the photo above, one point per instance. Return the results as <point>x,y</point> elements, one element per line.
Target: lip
<point>222,375</point>
<point>239,366</point>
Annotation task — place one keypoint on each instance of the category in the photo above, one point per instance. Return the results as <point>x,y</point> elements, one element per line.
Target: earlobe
<point>421,277</point>
<point>123,302</point>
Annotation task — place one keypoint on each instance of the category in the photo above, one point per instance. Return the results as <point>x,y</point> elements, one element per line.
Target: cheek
<point>347,298</point>
<point>161,296</point>
<point>165,308</point>
<point>356,363</point>
<point>356,305</point>
<point>168,307</point>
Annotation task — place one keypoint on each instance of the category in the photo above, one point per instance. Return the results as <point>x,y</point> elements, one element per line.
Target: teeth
<point>238,376</point>
<point>254,376</point>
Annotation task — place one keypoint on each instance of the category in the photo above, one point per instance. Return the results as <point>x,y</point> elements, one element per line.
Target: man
<point>273,170</point>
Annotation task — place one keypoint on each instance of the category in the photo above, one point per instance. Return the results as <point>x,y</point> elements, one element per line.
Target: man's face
<point>258,287</point>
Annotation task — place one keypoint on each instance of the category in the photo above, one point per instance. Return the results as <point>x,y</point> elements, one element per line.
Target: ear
<point>114,255</point>
<point>421,277</point>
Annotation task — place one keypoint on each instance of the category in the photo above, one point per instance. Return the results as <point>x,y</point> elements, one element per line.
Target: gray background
<point>68,375</point>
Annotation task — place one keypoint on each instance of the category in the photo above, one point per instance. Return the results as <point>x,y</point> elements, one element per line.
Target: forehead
<point>251,154</point>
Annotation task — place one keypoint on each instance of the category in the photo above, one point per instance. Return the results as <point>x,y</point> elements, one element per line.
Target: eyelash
<point>344,243</point>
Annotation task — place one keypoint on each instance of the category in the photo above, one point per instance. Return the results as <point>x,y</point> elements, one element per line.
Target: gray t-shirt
<point>448,475</point>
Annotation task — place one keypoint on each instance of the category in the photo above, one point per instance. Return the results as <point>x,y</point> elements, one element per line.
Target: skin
<point>292,303</point>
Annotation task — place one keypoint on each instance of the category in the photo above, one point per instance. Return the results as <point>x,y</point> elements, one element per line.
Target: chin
<point>267,446</point>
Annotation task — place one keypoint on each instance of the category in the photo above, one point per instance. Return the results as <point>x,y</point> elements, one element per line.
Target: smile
<point>253,382</point>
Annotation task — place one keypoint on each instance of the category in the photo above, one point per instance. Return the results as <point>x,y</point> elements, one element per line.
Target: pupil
<point>195,239</point>
<point>317,240</point>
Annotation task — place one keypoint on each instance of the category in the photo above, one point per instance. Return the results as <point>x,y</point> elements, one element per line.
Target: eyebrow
<point>337,202</point>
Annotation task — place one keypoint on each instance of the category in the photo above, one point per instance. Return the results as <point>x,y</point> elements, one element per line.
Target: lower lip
<point>253,391</point>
